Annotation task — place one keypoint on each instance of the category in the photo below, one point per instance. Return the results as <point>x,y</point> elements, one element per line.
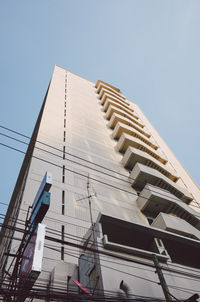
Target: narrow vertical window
<point>64,136</point>
<point>63,233</point>
<point>62,252</point>
<point>63,174</point>
<point>65,97</point>
<point>63,152</point>
<point>65,104</point>
<point>64,122</point>
<point>65,112</point>
<point>63,202</point>
<point>62,238</point>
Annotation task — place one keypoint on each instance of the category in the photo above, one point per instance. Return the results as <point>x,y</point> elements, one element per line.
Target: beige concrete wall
<point>88,136</point>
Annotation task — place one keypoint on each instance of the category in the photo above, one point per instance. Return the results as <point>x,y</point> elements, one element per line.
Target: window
<point>62,252</point>
<point>63,232</point>
<point>140,239</point>
<point>63,174</point>
<point>63,202</point>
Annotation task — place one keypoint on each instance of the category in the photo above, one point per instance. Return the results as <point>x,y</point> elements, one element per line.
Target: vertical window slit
<point>64,136</point>
<point>63,174</point>
<point>64,122</point>
<point>63,233</point>
<point>62,252</point>
<point>63,152</point>
<point>63,202</point>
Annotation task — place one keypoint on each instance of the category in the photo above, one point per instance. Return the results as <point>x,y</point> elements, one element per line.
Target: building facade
<point>120,200</point>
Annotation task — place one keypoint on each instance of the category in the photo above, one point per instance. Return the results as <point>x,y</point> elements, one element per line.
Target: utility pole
<point>163,283</point>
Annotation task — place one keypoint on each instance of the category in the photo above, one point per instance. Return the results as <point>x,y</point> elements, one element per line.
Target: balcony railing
<point>113,94</point>
<point>127,140</point>
<point>99,84</point>
<point>122,128</point>
<point>119,118</point>
<point>141,175</point>
<point>153,200</point>
<point>175,225</point>
<point>132,118</point>
<point>120,106</point>
<point>107,96</point>
<point>133,156</point>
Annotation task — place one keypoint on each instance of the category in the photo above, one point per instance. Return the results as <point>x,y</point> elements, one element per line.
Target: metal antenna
<point>90,204</point>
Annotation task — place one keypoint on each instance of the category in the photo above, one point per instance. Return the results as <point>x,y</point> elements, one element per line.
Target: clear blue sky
<point>148,48</point>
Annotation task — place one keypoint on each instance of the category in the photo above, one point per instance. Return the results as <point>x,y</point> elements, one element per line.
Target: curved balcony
<point>175,225</point>
<point>118,118</point>
<point>120,102</point>
<point>113,94</point>
<point>153,200</point>
<point>112,109</point>
<point>121,128</point>
<point>141,175</point>
<point>127,140</point>
<point>99,84</point>
<point>116,104</point>
<point>133,156</point>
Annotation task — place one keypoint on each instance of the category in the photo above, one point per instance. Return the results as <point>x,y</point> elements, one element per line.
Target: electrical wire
<point>83,175</point>
<point>68,243</point>
<point>81,238</point>
<point>80,158</point>
<point>74,237</point>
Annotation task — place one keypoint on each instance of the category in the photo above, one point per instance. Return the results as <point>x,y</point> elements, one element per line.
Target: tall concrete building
<point>123,218</point>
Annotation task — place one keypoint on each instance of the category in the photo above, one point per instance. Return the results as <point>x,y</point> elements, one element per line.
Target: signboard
<point>45,186</point>
<point>85,290</point>
<point>40,209</point>
<point>32,257</point>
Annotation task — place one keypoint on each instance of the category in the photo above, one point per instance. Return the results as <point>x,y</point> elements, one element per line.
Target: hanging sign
<point>32,257</point>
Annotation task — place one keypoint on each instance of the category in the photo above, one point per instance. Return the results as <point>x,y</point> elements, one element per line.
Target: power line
<point>87,228</point>
<point>76,238</point>
<point>80,158</point>
<point>109,254</point>
<point>83,175</point>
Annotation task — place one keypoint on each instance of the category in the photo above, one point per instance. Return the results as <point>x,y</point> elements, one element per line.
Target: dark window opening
<point>63,209</point>
<point>183,253</point>
<point>63,202</point>
<point>63,232</point>
<point>181,250</point>
<point>63,174</point>
<point>62,252</point>
<point>129,237</point>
